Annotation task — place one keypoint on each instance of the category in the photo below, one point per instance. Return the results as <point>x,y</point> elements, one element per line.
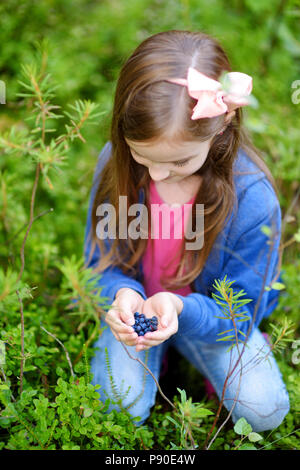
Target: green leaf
<point>297,236</point>
<point>266,230</point>
<point>173,421</point>
<point>242,428</point>
<point>182,395</point>
<point>226,338</point>
<point>4,387</point>
<point>87,412</point>
<point>254,437</point>
<point>247,447</point>
<point>278,286</point>
<point>226,331</point>
<point>59,371</point>
<point>202,412</point>
<point>242,333</point>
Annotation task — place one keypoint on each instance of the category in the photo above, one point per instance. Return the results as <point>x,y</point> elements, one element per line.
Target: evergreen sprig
<point>34,137</point>
<point>281,334</point>
<point>230,304</point>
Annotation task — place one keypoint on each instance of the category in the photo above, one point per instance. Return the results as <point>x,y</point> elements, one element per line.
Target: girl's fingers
<point>121,332</point>
<point>153,338</point>
<point>146,344</point>
<point>125,314</point>
<point>129,340</point>
<point>141,347</point>
<point>156,337</point>
<point>117,324</point>
<point>126,304</point>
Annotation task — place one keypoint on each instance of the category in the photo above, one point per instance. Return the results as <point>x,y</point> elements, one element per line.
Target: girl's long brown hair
<point>147,108</point>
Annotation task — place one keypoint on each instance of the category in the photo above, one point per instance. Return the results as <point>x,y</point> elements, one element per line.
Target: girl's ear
<point>229,117</point>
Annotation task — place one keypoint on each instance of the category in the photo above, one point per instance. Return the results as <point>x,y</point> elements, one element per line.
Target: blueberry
<point>142,324</point>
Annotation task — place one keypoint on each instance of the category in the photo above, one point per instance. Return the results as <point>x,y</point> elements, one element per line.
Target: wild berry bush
<point>59,61</point>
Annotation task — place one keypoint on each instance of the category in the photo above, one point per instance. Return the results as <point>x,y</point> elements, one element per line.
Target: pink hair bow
<point>213,100</point>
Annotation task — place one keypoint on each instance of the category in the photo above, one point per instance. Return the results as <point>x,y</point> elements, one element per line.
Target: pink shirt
<point>164,249</point>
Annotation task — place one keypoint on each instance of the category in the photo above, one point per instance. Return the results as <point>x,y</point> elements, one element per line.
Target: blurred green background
<point>88,41</point>
<point>87,44</point>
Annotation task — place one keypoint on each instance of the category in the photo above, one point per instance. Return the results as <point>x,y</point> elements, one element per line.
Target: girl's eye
<point>184,162</point>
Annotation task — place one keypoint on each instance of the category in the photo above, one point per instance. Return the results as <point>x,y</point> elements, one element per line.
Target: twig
<point>282,437</point>
<point>160,391</point>
<point>259,359</point>
<point>66,352</point>
<point>25,225</point>
<point>230,412</point>
<point>262,291</point>
<point>147,368</point>
<point>254,315</point>
<point>223,394</point>
<point>30,220</point>
<point>100,311</point>
<point>22,343</point>
<point>290,209</point>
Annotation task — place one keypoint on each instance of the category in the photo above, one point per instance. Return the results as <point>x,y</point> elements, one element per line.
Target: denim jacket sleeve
<point>251,265</point>
<point>112,278</point>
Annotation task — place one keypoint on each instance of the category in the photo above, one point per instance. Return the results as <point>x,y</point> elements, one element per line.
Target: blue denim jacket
<point>241,251</point>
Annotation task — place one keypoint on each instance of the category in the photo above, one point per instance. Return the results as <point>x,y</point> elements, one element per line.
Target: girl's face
<point>170,163</point>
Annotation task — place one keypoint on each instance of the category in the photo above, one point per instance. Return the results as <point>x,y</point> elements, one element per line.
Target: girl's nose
<point>158,175</point>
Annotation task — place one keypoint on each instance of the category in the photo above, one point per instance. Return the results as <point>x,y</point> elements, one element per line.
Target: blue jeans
<point>260,397</point>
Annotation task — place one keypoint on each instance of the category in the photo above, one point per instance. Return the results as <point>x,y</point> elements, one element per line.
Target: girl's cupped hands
<point>166,306</point>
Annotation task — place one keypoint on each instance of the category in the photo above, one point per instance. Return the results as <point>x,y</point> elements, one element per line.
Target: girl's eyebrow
<point>177,161</point>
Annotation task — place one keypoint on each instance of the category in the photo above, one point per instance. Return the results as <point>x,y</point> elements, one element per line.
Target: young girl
<point>177,140</point>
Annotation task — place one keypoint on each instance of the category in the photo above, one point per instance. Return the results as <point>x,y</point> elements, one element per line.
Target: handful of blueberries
<point>143,325</point>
